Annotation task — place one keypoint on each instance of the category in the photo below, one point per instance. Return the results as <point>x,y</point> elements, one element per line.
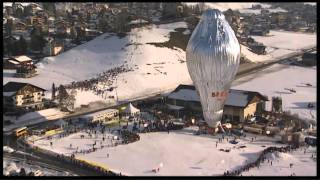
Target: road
<point>34,161</point>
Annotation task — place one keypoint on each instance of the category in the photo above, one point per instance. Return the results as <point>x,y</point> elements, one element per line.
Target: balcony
<point>27,97</point>
<point>29,102</point>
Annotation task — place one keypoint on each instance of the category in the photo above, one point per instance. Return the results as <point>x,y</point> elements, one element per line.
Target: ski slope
<point>273,81</point>
<point>154,67</point>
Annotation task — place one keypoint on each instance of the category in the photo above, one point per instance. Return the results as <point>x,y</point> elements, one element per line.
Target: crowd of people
<point>100,83</point>
<point>129,137</point>
<point>262,158</point>
<point>83,164</point>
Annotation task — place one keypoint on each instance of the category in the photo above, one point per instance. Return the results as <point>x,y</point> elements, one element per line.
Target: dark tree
<point>37,40</point>
<point>53,92</point>
<point>9,44</point>
<point>22,172</point>
<point>63,94</point>
<point>22,46</point>
<point>50,8</point>
<point>9,26</point>
<point>19,12</point>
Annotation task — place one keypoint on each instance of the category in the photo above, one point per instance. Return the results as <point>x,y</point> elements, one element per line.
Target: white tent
<point>131,110</point>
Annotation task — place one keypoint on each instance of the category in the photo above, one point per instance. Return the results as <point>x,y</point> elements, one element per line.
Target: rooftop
<point>237,98</point>
<point>101,112</point>
<point>22,58</point>
<point>15,86</point>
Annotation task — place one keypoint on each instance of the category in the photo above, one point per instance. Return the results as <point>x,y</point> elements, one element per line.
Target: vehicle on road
<point>21,131</point>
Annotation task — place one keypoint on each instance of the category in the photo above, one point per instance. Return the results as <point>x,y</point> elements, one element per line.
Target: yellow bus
<point>21,131</point>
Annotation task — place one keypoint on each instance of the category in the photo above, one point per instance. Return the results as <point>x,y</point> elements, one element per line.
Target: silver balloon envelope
<point>213,57</point>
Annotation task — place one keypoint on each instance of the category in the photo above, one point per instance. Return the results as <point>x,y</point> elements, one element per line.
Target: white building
<point>103,116</point>
<point>22,95</point>
<point>130,110</point>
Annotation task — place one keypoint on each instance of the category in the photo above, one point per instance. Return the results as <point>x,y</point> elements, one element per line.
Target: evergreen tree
<point>53,92</point>
<point>9,44</point>
<point>19,12</point>
<point>22,46</point>
<point>73,33</point>
<point>63,94</point>
<point>22,172</point>
<point>37,40</point>
<point>9,26</point>
<point>50,8</point>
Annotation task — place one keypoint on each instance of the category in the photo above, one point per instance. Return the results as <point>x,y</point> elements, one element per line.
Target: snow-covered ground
<point>273,81</point>
<point>180,152</point>
<point>258,11</point>
<point>280,44</point>
<point>226,6</point>
<point>303,164</point>
<point>288,40</point>
<point>155,68</point>
<point>33,118</point>
<point>85,97</point>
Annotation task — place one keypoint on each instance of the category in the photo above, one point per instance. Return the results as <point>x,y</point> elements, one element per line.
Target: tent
<point>131,110</point>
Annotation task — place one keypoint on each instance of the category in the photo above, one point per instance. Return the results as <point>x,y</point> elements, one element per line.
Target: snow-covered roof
<point>22,58</point>
<point>173,107</point>
<point>131,109</point>
<point>14,62</point>
<point>7,4</point>
<point>92,30</point>
<point>137,21</point>
<point>238,98</point>
<point>16,86</point>
<point>8,94</point>
<point>185,94</point>
<point>51,18</point>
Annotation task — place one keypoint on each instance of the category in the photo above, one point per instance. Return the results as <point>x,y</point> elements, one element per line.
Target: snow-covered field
<point>226,6</point>
<point>258,11</point>
<point>180,152</point>
<point>273,81</point>
<point>280,44</point>
<point>303,164</point>
<point>33,118</point>
<point>288,40</point>
<point>155,68</point>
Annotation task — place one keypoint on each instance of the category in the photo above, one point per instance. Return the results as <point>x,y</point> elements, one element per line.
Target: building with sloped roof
<point>239,105</point>
<point>22,95</point>
<point>24,66</point>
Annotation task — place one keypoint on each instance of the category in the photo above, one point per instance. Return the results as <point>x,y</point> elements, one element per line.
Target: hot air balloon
<point>213,57</point>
